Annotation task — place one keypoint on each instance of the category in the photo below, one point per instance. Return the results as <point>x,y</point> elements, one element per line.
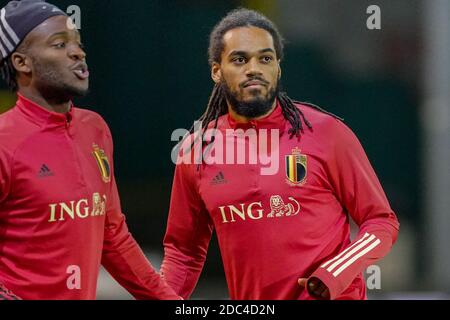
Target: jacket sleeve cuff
<point>334,286</point>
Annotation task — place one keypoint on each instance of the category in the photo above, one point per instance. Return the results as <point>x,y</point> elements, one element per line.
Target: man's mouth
<point>81,71</point>
<point>254,83</point>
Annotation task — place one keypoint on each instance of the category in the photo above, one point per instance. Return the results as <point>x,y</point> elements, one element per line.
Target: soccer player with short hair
<point>281,236</point>
<point>60,214</point>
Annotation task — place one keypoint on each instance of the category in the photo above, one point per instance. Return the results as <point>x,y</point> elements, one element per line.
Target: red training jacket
<point>60,214</point>
<point>274,229</point>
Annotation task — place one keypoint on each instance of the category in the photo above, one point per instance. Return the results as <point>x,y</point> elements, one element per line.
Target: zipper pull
<point>68,120</point>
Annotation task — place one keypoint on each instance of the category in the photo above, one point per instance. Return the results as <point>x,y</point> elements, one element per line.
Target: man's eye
<point>239,60</point>
<point>267,59</point>
<point>60,45</point>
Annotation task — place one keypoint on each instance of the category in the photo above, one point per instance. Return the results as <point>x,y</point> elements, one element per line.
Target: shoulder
<point>14,130</point>
<point>326,124</point>
<point>317,115</point>
<point>7,121</point>
<point>92,119</point>
<point>6,133</point>
<point>222,122</point>
<point>90,116</point>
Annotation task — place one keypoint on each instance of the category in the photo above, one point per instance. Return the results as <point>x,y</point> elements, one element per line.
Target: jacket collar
<point>42,116</point>
<point>274,120</point>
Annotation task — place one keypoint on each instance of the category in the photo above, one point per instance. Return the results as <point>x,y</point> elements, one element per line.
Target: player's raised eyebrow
<point>64,34</point>
<point>245,53</point>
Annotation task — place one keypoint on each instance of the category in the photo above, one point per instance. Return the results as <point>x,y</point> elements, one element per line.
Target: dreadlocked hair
<point>9,74</point>
<point>217,106</point>
<point>293,114</point>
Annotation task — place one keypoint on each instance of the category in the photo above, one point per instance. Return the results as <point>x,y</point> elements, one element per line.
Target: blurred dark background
<point>149,76</point>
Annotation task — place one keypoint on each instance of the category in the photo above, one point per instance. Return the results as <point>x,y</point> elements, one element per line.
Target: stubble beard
<point>50,83</point>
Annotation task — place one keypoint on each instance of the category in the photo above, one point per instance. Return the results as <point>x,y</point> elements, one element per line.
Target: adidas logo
<point>45,172</point>
<point>219,179</point>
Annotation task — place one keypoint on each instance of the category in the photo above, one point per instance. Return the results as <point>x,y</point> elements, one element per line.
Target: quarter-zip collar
<point>274,120</point>
<point>42,116</point>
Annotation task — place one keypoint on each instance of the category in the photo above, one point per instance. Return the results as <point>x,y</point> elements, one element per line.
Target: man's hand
<point>315,287</point>
<point>6,294</point>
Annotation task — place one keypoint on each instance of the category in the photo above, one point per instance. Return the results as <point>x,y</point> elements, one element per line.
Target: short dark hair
<point>237,18</point>
<point>7,70</point>
<point>9,74</point>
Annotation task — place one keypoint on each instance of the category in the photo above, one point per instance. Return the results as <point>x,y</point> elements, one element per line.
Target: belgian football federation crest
<point>296,168</point>
<point>103,163</point>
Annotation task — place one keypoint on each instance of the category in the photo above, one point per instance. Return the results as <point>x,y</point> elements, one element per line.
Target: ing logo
<point>255,211</point>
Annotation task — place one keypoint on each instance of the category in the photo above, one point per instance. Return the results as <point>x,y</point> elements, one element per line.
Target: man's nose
<point>253,68</point>
<point>76,53</point>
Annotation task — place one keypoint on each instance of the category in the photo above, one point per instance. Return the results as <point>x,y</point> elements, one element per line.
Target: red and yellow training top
<point>274,229</point>
<point>60,214</point>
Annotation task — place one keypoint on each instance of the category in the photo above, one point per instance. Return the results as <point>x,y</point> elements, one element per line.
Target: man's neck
<point>242,119</point>
<point>49,104</point>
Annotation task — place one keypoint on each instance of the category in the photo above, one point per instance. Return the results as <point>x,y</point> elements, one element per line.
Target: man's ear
<point>21,62</point>
<point>216,72</point>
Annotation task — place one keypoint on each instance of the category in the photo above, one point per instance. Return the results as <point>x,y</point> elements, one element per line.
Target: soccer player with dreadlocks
<point>286,235</point>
